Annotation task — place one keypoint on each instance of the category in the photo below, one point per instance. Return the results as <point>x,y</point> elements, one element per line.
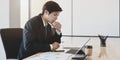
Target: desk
<point>110,52</point>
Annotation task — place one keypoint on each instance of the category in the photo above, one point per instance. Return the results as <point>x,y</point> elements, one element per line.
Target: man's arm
<point>57,36</point>
<point>31,42</point>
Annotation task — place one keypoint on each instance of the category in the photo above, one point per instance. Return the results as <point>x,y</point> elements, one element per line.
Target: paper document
<point>52,56</point>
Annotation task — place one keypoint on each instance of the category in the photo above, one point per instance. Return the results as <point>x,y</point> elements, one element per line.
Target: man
<point>42,33</point>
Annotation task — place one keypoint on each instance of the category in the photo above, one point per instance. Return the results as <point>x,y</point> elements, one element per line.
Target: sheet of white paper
<point>52,56</point>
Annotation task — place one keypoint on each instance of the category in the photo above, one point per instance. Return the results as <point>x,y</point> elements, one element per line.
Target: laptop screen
<point>76,51</point>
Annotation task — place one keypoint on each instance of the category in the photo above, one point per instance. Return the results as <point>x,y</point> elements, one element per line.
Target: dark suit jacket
<point>37,38</point>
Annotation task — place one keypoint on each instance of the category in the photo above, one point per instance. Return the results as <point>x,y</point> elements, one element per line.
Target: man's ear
<point>46,12</point>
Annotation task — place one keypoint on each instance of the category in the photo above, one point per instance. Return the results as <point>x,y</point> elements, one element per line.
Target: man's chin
<point>51,22</point>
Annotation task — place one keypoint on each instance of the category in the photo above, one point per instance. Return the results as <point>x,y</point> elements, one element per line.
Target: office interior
<point>80,19</point>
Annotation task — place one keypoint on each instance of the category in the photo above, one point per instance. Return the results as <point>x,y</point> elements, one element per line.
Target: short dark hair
<point>51,6</point>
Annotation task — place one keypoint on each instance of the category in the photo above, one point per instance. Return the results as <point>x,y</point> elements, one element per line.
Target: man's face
<point>52,17</point>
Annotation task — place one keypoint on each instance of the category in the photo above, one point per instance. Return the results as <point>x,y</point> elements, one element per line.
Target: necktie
<point>53,31</point>
<point>46,32</point>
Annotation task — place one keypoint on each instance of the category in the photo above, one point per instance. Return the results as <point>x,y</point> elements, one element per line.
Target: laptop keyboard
<point>72,51</point>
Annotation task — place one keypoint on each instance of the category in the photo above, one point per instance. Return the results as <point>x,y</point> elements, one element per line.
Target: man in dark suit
<point>42,33</point>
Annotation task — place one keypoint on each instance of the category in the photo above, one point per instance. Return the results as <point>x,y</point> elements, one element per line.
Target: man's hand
<point>57,26</point>
<point>55,46</point>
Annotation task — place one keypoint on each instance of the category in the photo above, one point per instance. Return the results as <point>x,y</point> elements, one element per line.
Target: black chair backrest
<point>11,38</point>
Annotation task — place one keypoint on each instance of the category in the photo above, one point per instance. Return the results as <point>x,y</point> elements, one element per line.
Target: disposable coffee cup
<point>89,50</point>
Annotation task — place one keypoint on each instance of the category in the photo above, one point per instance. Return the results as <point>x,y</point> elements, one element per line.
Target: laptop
<point>79,54</point>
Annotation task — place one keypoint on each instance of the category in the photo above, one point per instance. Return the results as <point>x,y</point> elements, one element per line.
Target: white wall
<point>4,14</point>
<point>14,13</point>
<point>10,14</point>
<point>36,7</point>
<point>93,17</point>
<point>24,12</point>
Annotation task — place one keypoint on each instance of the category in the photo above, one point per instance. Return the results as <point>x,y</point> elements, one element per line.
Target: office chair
<point>11,38</point>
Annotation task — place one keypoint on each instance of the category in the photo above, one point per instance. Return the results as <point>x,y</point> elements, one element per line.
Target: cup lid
<point>89,46</point>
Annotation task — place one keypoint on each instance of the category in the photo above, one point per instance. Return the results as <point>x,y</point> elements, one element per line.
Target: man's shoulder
<point>33,20</point>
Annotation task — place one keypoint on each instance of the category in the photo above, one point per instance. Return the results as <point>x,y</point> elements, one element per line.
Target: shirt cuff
<point>51,47</point>
<point>58,32</point>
